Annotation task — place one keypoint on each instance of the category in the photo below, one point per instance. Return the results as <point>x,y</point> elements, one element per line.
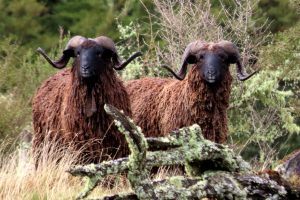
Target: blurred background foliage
<point>264,112</point>
<point>37,22</point>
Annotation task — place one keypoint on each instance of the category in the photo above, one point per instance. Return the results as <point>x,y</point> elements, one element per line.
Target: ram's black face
<point>212,66</point>
<point>91,60</point>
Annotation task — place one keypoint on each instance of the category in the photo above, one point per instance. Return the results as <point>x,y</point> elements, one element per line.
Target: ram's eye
<point>201,56</point>
<point>99,54</point>
<point>78,53</point>
<point>222,57</point>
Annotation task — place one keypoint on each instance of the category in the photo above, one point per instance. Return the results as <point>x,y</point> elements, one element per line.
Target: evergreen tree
<point>21,18</point>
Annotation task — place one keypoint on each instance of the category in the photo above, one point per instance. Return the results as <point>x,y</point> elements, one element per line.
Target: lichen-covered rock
<point>290,168</point>
<point>214,171</point>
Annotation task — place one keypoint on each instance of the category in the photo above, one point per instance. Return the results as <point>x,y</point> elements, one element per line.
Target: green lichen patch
<point>214,170</point>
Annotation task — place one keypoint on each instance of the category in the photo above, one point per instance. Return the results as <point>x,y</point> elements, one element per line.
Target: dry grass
<point>20,179</point>
<point>168,171</point>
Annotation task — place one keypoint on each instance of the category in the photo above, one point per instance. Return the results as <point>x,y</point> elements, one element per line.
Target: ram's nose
<point>85,71</point>
<point>85,67</point>
<point>211,75</point>
<point>211,72</point>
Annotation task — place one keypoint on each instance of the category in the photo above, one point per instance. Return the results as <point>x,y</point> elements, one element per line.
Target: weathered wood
<point>161,143</point>
<point>214,170</point>
<point>129,196</point>
<point>103,169</point>
<point>218,185</point>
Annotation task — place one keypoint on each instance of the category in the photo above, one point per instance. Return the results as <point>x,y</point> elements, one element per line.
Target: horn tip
<point>172,72</point>
<point>244,78</point>
<point>139,53</point>
<point>165,66</point>
<point>40,50</point>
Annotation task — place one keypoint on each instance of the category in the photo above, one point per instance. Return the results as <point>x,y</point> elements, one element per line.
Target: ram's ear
<point>108,43</point>
<point>69,52</point>
<point>111,56</point>
<point>189,57</point>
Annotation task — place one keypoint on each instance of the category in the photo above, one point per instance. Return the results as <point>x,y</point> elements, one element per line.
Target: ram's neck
<point>88,96</point>
<point>208,105</point>
<point>208,97</point>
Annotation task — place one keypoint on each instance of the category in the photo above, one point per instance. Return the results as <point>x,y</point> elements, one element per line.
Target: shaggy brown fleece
<point>59,112</point>
<point>162,105</point>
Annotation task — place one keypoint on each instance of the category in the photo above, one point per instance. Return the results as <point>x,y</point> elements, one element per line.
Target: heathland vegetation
<point>264,113</point>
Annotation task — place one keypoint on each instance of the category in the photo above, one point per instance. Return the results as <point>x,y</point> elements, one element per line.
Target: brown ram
<point>68,107</point>
<point>160,105</point>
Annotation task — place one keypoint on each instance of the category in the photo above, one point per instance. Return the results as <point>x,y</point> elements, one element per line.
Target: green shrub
<point>22,71</point>
<point>265,111</point>
<point>130,42</point>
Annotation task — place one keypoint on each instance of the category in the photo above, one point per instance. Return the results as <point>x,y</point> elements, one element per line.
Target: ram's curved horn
<point>67,53</point>
<point>234,57</point>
